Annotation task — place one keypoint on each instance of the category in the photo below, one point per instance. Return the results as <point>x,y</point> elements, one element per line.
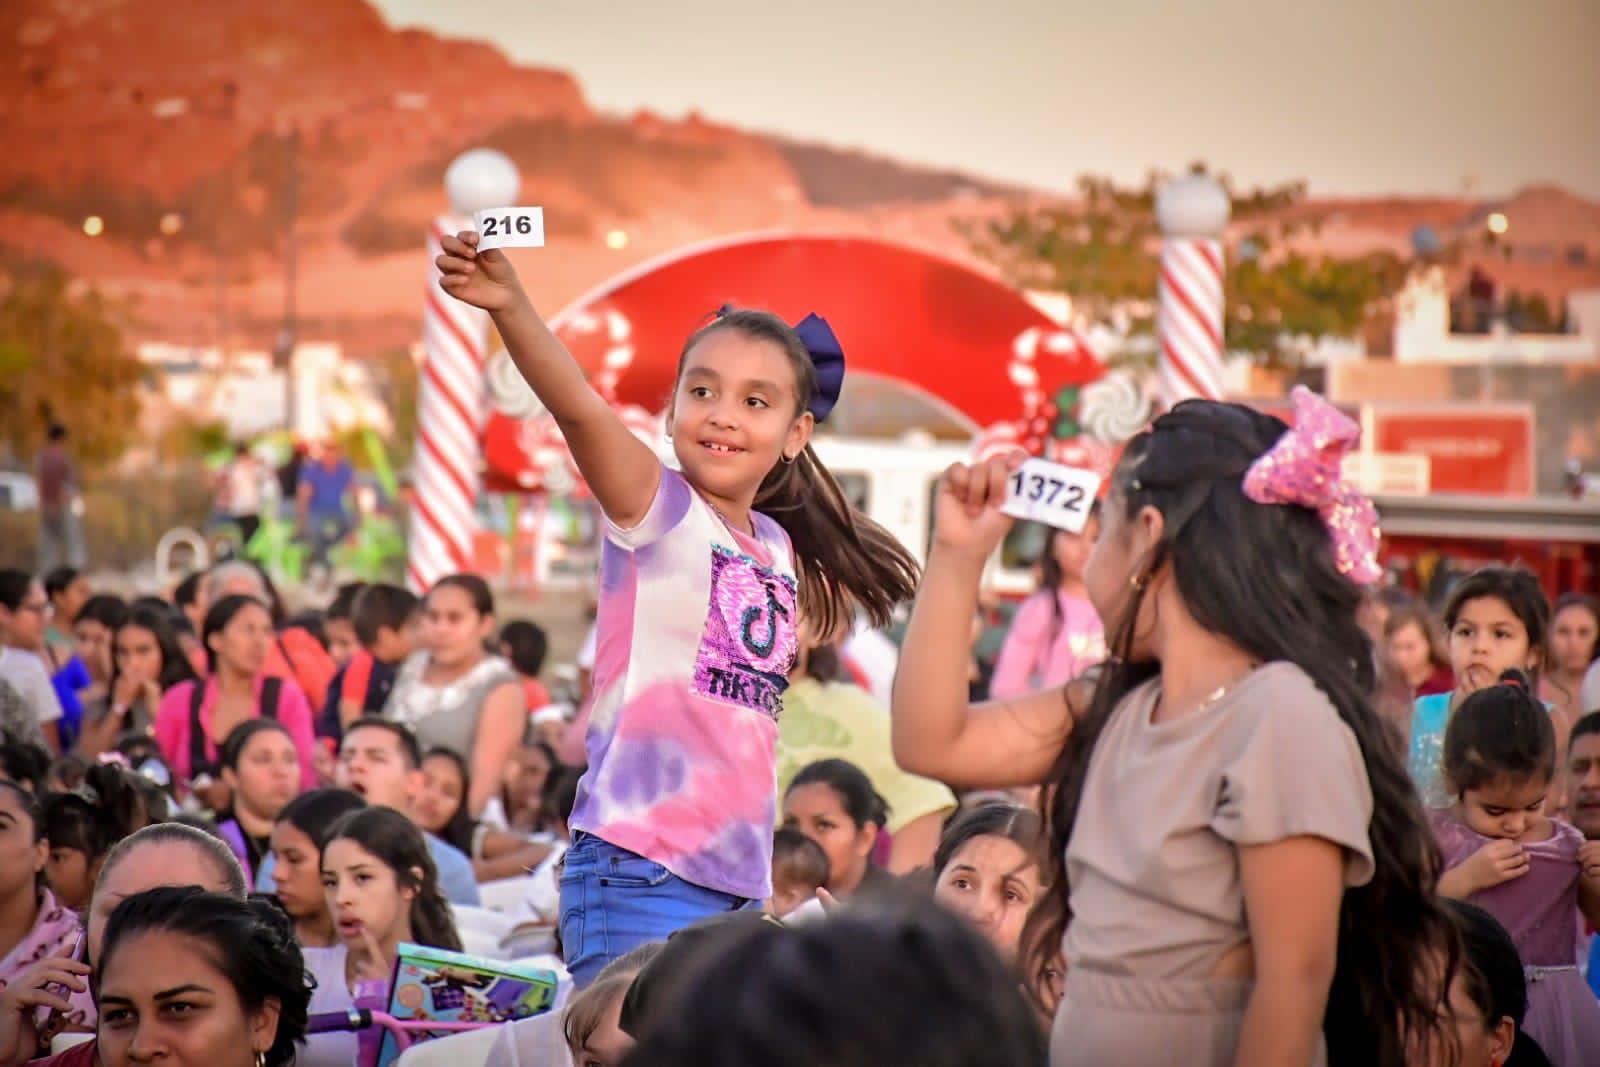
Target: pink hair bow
<point>1303,468</point>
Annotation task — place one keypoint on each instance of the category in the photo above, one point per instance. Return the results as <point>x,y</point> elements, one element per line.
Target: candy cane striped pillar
<point>451,395</point>
<point>450,410</point>
<point>1193,212</point>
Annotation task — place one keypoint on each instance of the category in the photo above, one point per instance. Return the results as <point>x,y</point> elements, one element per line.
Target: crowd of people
<point>1224,794</point>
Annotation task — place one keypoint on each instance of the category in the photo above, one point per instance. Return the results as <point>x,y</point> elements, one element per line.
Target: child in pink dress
<point>1531,872</point>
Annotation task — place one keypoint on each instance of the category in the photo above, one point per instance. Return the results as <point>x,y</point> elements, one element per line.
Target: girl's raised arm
<point>621,470</point>
<point>935,732</point>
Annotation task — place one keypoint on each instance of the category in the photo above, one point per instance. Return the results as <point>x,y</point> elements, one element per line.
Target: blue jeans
<point>613,901</point>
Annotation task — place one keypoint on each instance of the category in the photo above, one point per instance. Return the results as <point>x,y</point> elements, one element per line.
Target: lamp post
<point>450,397</point>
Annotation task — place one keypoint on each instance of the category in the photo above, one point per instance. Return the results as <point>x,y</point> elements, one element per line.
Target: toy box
<point>436,984</point>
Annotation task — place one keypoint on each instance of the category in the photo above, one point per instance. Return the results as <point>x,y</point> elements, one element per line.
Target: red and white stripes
<point>1189,320</point>
<point>450,410</point>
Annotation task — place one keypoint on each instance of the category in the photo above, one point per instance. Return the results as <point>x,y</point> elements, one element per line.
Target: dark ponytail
<point>1502,731</point>
<point>844,558</point>
<point>396,841</point>
<point>1264,577</point>
<point>97,813</point>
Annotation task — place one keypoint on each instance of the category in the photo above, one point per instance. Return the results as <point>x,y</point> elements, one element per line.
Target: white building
<point>245,391</point>
<point>1422,333</point>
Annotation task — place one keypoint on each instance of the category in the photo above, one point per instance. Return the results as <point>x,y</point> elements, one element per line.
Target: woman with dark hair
<point>262,772</point>
<point>1227,750</point>
<point>454,694</point>
<point>1413,645</point>
<point>147,660</point>
<point>825,716</point>
<point>86,677</point>
<point>990,869</point>
<point>161,854</point>
<point>24,610</point>
<point>1487,998</point>
<point>440,808</point>
<point>832,802</point>
<point>1056,633</point>
<point>297,838</point>
<point>192,977</point>
<point>887,983</point>
<point>33,923</point>
<point>1574,647</point>
<point>382,888</point>
<point>196,717</point>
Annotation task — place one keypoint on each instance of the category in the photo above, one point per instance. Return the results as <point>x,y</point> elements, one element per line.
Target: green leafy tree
<point>1104,252</point>
<point>63,359</point>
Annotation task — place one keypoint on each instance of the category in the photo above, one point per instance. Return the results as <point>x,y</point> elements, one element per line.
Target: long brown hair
<point>1276,593</point>
<point>843,557</point>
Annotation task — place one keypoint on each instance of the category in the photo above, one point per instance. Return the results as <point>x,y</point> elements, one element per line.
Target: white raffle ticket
<point>1051,493</point>
<point>509,227</point>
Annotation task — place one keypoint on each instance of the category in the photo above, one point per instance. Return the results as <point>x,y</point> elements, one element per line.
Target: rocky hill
<point>203,133</point>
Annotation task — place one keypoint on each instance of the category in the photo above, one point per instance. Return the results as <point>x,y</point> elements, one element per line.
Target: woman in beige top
<point>1246,869</point>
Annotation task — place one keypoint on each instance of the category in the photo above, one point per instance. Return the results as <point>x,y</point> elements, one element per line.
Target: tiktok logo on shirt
<point>749,641</point>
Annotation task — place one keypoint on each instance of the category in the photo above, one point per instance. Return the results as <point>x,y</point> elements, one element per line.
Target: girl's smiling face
<point>735,414</point>
<point>1488,639</point>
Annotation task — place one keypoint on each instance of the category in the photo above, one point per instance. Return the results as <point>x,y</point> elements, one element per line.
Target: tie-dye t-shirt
<point>694,642</point>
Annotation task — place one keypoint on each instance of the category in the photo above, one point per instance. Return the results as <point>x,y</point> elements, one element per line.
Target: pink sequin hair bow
<point>1303,468</point>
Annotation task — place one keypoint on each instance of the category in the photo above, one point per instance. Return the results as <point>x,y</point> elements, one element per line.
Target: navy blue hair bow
<point>827,356</point>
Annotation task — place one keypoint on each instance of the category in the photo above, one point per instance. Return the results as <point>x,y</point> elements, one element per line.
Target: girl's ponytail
<point>843,557</point>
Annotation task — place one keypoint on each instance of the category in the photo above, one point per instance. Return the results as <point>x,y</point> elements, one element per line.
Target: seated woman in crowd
<point>146,661</point>
<point>456,695</point>
<point>522,797</point>
<point>86,677</point>
<point>261,769</point>
<point>382,889</point>
<point>39,925</point>
<point>1488,998</point>
<point>162,854</point>
<point>989,870</point>
<point>23,611</point>
<point>834,804</point>
<point>196,717</point>
<point>294,653</point>
<point>1415,648</point>
<point>199,978</point>
<point>297,837</point>
<point>828,716</point>
<point>83,825</point>
<point>441,809</point>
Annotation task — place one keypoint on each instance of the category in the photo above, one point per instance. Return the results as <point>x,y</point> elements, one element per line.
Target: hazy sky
<point>1358,96</point>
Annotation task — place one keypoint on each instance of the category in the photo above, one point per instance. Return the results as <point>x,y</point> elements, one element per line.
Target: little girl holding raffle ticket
<point>702,577</point>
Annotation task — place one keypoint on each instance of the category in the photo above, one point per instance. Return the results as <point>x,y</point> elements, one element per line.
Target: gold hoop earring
<point>261,1058</point>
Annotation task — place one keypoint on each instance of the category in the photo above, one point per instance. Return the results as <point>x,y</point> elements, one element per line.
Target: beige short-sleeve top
<point>1153,861</point>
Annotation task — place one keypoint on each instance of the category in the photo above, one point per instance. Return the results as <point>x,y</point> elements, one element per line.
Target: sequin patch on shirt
<point>748,644</point>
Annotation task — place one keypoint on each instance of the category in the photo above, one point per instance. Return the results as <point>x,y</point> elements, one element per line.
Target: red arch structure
<point>952,332</point>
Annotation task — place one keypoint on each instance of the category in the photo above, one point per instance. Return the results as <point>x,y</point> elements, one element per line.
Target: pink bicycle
<point>405,1032</point>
